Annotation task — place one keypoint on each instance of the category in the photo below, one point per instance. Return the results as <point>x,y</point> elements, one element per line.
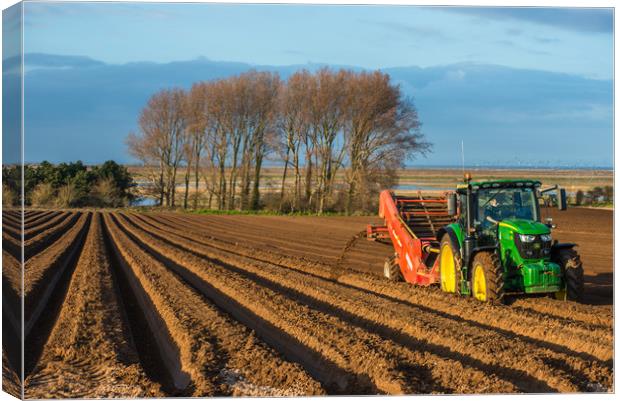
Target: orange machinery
<point>411,223</point>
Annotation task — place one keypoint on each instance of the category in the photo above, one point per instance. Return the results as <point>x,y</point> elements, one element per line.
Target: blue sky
<point>440,47</point>
<point>562,40</point>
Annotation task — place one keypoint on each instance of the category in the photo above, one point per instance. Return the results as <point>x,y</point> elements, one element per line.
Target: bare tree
<point>144,148</point>
<point>383,131</point>
<point>216,110</point>
<point>370,108</point>
<point>198,121</point>
<point>263,112</point>
<point>327,120</point>
<point>317,124</point>
<point>162,125</point>
<point>294,126</point>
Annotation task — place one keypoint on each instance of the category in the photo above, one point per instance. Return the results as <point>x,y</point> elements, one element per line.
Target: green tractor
<point>498,245</point>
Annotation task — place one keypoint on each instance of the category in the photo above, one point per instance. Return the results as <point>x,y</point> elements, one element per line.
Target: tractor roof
<point>504,183</point>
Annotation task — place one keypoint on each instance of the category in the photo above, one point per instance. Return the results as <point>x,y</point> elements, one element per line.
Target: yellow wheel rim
<point>561,295</point>
<point>479,284</point>
<point>447,275</point>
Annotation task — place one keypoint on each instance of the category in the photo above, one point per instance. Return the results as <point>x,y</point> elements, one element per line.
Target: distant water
<point>522,167</point>
<point>144,201</point>
<point>413,187</point>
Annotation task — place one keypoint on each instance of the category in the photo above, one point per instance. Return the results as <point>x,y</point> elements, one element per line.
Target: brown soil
<point>393,318</point>
<point>90,353</point>
<point>323,239</point>
<point>207,343</point>
<point>168,304</point>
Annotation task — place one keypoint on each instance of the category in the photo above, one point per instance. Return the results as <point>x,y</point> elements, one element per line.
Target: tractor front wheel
<point>391,269</point>
<point>572,272</point>
<point>449,266</point>
<point>487,278</point>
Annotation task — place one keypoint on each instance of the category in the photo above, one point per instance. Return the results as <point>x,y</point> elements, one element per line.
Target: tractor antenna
<point>463,155</point>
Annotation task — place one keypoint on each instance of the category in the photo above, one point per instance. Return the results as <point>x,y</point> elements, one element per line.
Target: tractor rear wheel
<point>391,269</point>
<point>487,278</point>
<point>572,271</point>
<point>449,266</point>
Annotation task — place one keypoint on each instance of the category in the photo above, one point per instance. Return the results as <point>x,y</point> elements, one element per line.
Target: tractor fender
<point>483,248</point>
<point>453,238</point>
<point>559,246</point>
<point>478,249</point>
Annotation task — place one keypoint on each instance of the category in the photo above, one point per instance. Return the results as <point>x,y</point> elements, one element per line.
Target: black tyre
<point>487,278</point>
<point>572,271</point>
<point>449,266</point>
<point>391,269</point>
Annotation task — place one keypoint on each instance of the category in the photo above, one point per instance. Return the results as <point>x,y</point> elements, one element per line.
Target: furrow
<point>34,215</point>
<point>46,280</point>
<point>39,242</point>
<point>559,370</point>
<point>90,353</point>
<point>11,323</point>
<point>384,362</point>
<point>11,245</point>
<point>49,224</point>
<point>41,218</point>
<point>13,220</point>
<point>570,311</point>
<point>579,336</point>
<point>211,347</point>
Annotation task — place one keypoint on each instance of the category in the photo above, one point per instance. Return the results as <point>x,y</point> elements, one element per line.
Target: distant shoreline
<point>417,167</point>
<point>509,168</point>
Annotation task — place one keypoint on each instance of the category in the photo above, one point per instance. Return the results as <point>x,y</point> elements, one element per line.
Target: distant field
<point>440,179</point>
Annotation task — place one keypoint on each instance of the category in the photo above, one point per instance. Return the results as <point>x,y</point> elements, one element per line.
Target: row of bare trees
<point>319,126</point>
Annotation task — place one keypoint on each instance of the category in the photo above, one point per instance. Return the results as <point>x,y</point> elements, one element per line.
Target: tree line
<point>595,195</point>
<point>355,125</point>
<point>68,185</point>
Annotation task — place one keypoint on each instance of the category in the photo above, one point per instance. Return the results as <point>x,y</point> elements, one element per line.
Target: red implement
<point>412,222</point>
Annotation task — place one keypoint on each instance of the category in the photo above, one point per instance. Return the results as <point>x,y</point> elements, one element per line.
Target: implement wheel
<point>487,278</point>
<point>449,266</point>
<point>391,269</point>
<point>572,271</point>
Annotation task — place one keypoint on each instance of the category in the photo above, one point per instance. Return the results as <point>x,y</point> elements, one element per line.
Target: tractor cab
<point>500,201</point>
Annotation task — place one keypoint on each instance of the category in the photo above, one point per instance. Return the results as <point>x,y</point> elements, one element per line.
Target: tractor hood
<point>525,226</point>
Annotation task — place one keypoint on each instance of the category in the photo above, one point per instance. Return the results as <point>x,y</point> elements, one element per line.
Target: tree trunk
<point>322,184</point>
<point>256,185</point>
<point>297,199</point>
<point>308,183</point>
<point>197,173</point>
<point>173,186</point>
<point>245,174</point>
<point>233,175</point>
<point>161,187</point>
<point>350,194</point>
<point>222,181</point>
<point>284,177</point>
<point>185,198</point>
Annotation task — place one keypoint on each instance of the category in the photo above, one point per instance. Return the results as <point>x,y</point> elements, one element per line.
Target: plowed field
<point>119,304</point>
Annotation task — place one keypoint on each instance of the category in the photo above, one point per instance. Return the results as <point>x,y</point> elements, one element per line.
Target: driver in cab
<point>493,209</point>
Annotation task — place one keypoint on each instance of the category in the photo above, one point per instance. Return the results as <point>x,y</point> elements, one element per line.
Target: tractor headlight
<point>546,237</point>
<point>533,246</point>
<point>527,238</point>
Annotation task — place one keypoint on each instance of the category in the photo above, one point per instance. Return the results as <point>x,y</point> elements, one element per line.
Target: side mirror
<point>452,204</point>
<point>561,199</point>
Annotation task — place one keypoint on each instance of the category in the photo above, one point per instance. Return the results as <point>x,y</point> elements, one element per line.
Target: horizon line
<point>308,63</point>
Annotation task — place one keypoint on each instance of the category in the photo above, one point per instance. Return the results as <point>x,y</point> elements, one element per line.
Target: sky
<point>438,49</point>
<point>562,40</point>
